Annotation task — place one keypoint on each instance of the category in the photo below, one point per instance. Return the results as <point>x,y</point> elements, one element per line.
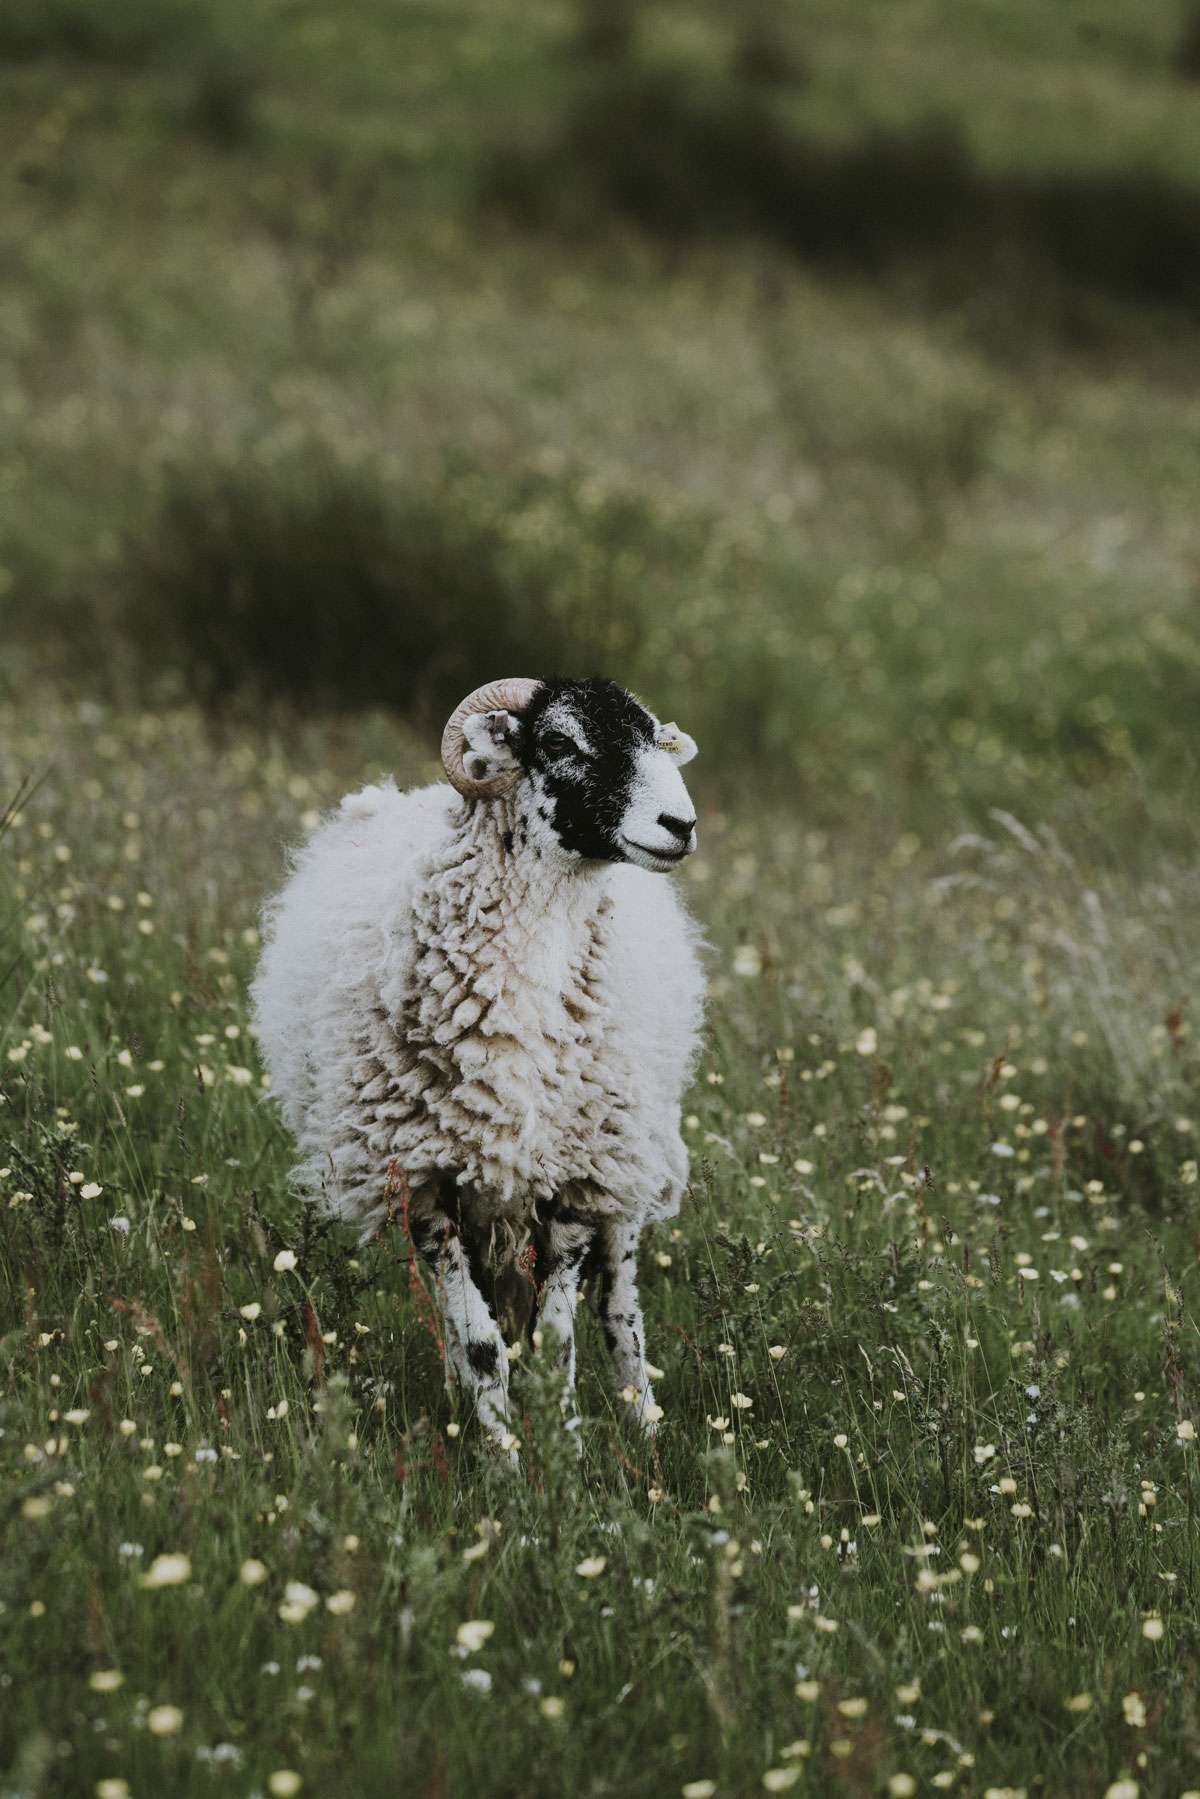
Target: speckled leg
<point>567,1243</point>
<point>621,1315</point>
<point>474,1346</point>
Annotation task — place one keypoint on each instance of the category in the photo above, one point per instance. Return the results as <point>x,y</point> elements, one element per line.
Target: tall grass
<point>922,1505</point>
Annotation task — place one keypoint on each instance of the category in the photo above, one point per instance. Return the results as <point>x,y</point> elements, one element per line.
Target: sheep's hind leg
<point>475,1348</point>
<point>621,1316</point>
<point>567,1241</point>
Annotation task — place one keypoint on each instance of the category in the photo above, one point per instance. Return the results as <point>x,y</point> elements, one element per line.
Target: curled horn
<point>512,695</point>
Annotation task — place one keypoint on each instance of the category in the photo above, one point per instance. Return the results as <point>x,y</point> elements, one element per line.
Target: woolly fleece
<point>428,994</point>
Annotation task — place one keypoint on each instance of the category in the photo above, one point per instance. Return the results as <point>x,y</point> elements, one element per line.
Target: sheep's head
<point>595,775</point>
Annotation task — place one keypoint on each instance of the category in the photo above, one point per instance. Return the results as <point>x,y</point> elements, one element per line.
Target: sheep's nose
<point>678,827</point>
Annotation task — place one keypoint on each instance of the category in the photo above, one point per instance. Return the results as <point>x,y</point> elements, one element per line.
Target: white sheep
<point>486,990</point>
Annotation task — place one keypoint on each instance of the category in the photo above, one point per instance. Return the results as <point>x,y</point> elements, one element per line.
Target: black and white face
<point>601,774</point>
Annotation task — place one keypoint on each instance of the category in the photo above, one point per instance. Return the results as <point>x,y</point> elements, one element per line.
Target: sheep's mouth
<point>657,860</point>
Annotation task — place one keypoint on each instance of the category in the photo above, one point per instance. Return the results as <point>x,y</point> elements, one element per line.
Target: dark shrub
<point>606,28</point>
<point>683,160</point>
<point>308,583</point>
<point>223,90</point>
<point>766,56</point>
<point>208,49</point>
<point>116,31</point>
<point>686,160</point>
<point>1187,53</point>
<point>331,589</point>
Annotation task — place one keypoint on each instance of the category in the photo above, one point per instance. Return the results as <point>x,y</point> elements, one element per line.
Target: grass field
<point>923,1501</point>
<point>299,437</point>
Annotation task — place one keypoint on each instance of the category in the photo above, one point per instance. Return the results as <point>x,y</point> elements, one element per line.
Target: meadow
<point>314,410</point>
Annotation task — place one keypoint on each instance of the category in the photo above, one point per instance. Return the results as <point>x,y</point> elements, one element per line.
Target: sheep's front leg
<point>475,1348</point>
<point>567,1244</point>
<point>621,1316</point>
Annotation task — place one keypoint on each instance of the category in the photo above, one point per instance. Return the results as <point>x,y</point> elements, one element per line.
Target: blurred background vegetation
<point>828,373</point>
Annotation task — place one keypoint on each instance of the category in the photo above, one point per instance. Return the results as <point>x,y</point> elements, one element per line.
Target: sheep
<point>482,987</point>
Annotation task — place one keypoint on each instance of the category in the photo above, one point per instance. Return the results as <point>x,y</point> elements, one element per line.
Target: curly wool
<point>432,995</point>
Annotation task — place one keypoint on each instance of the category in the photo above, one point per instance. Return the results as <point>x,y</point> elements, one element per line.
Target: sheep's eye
<point>557,743</point>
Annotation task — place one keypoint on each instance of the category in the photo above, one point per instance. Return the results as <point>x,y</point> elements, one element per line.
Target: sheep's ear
<point>677,743</point>
<point>491,740</point>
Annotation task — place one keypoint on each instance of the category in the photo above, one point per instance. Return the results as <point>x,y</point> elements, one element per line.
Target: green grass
<point>915,560</point>
<point>843,1288</point>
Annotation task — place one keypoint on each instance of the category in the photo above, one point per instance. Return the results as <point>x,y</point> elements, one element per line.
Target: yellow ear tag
<point>672,745</point>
